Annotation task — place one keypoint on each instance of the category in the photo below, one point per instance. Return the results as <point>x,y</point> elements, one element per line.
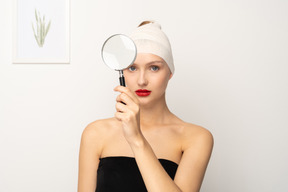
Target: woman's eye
<point>132,68</point>
<point>154,68</point>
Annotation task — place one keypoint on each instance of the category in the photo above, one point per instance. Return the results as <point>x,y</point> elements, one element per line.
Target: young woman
<point>144,147</point>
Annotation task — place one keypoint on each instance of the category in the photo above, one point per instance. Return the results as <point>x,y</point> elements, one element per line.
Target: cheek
<point>161,81</point>
<point>129,79</point>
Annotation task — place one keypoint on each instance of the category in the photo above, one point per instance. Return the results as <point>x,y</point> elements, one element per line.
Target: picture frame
<point>41,32</point>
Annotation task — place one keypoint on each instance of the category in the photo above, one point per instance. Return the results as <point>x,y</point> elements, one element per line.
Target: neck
<point>153,114</point>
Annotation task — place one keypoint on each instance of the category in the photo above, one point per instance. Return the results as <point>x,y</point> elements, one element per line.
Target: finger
<point>119,98</point>
<point>120,107</point>
<point>118,116</point>
<point>128,92</point>
<point>124,98</point>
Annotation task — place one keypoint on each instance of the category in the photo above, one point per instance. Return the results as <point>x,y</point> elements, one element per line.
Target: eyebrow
<point>152,62</point>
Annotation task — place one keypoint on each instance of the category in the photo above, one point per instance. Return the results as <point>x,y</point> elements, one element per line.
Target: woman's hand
<point>128,112</point>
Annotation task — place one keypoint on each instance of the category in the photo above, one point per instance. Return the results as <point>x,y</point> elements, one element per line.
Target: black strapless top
<point>122,174</point>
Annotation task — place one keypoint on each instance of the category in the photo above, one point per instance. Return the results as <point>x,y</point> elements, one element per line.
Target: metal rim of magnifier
<point>119,34</point>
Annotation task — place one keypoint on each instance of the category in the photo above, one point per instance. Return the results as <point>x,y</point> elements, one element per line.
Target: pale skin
<point>145,129</point>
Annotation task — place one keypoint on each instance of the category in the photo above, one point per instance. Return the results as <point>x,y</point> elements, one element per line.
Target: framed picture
<point>41,31</point>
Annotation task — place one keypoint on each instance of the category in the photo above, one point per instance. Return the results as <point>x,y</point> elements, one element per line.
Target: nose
<point>142,79</point>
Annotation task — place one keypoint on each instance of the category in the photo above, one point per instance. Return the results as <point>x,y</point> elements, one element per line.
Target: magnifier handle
<point>122,81</point>
<point>121,78</point>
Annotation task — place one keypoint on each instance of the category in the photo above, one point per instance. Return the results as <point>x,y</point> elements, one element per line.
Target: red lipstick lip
<point>142,92</point>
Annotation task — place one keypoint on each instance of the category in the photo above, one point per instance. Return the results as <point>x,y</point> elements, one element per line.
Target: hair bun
<point>153,23</point>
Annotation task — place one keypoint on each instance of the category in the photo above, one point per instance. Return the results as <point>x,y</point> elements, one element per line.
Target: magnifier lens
<point>119,52</point>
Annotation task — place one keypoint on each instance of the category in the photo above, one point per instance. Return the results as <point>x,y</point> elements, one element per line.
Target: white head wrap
<point>149,38</point>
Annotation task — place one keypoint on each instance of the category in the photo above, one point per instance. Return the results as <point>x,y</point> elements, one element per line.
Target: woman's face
<point>148,78</point>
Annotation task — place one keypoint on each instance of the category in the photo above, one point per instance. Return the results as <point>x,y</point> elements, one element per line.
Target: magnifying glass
<point>118,53</point>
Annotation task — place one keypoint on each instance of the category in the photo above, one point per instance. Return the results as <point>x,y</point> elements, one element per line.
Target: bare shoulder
<point>196,135</point>
<point>196,130</point>
<point>95,133</point>
<point>99,128</point>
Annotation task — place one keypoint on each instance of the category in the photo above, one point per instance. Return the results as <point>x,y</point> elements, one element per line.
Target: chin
<point>144,101</point>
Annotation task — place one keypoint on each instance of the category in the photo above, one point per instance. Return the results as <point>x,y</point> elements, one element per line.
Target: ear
<point>170,76</point>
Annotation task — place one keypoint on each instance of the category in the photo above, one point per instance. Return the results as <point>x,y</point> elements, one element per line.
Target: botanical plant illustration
<point>42,28</point>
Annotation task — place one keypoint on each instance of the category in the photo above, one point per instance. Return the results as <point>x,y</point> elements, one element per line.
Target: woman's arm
<point>154,176</point>
<point>190,172</point>
<point>88,158</point>
<point>197,147</point>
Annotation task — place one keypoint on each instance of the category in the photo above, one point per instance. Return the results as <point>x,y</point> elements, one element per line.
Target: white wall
<point>231,62</point>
